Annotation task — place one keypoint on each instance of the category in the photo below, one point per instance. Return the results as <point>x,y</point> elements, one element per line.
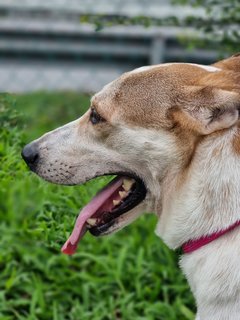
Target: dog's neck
<point>205,200</point>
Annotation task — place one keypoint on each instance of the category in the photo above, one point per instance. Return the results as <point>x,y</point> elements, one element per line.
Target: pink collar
<point>193,245</point>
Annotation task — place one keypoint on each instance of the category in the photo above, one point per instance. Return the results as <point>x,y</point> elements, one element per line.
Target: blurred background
<point>44,45</point>
<point>53,55</point>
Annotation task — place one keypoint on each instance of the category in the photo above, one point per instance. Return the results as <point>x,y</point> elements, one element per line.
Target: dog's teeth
<point>91,221</point>
<point>116,202</point>
<point>123,194</point>
<point>127,184</point>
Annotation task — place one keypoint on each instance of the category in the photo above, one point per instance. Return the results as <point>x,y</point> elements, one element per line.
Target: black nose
<point>30,155</point>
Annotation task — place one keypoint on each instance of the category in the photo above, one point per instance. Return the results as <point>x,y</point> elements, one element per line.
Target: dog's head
<point>144,128</point>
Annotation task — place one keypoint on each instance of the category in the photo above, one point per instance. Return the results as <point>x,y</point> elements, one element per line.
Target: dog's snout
<point>30,154</point>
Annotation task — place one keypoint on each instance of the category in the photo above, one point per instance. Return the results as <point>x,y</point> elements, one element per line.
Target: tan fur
<point>236,143</point>
<point>232,64</point>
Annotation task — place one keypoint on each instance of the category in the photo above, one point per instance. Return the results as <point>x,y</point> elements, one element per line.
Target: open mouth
<point>121,195</point>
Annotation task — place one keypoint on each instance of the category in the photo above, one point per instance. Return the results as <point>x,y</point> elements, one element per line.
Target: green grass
<point>129,276</point>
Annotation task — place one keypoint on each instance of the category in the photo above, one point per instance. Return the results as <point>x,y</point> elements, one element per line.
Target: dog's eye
<point>95,118</point>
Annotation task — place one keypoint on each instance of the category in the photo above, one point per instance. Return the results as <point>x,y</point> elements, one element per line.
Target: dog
<point>170,134</point>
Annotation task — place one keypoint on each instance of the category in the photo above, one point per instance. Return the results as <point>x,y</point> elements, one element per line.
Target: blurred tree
<point>220,25</point>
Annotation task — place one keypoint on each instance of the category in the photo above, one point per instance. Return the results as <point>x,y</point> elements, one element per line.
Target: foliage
<point>43,111</point>
<point>218,23</point>
<point>129,275</point>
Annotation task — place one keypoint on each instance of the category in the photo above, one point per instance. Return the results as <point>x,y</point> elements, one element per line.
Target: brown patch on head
<point>149,100</point>
<point>145,98</point>
<point>187,100</point>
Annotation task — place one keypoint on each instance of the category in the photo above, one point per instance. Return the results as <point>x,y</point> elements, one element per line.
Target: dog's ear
<point>232,63</point>
<point>208,109</point>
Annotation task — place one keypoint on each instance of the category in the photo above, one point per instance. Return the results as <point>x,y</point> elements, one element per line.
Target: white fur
<point>210,177</point>
<point>207,68</point>
<point>209,201</point>
<point>142,69</point>
<point>214,277</point>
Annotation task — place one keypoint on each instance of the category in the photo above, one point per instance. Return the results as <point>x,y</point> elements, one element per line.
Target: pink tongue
<point>87,212</point>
